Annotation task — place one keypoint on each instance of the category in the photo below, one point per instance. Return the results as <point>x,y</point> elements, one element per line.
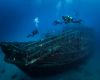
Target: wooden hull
<point>53,54</point>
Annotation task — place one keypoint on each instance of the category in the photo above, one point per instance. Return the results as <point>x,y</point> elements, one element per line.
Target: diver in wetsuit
<point>69,19</point>
<point>66,20</point>
<point>36,31</point>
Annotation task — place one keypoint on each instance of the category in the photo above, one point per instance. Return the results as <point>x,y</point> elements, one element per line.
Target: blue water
<point>17,21</point>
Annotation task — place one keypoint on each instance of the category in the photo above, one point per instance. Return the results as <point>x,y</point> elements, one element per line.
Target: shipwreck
<point>52,54</point>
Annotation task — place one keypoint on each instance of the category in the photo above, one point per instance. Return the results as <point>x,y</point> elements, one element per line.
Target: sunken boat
<point>67,49</point>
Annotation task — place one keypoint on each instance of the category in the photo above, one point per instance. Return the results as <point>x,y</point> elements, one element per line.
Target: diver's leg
<point>77,21</point>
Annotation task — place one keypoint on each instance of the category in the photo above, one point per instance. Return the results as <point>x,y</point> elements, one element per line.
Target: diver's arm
<point>57,22</point>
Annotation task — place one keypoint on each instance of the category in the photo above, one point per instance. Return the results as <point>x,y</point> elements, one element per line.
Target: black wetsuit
<point>34,32</point>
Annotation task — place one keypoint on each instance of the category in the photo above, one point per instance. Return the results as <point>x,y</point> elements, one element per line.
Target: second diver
<point>67,20</point>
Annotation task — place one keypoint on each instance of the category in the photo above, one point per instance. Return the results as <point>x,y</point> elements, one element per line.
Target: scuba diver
<point>33,33</point>
<point>67,19</point>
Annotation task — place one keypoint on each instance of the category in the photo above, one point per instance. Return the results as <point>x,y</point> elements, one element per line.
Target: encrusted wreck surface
<point>67,48</point>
